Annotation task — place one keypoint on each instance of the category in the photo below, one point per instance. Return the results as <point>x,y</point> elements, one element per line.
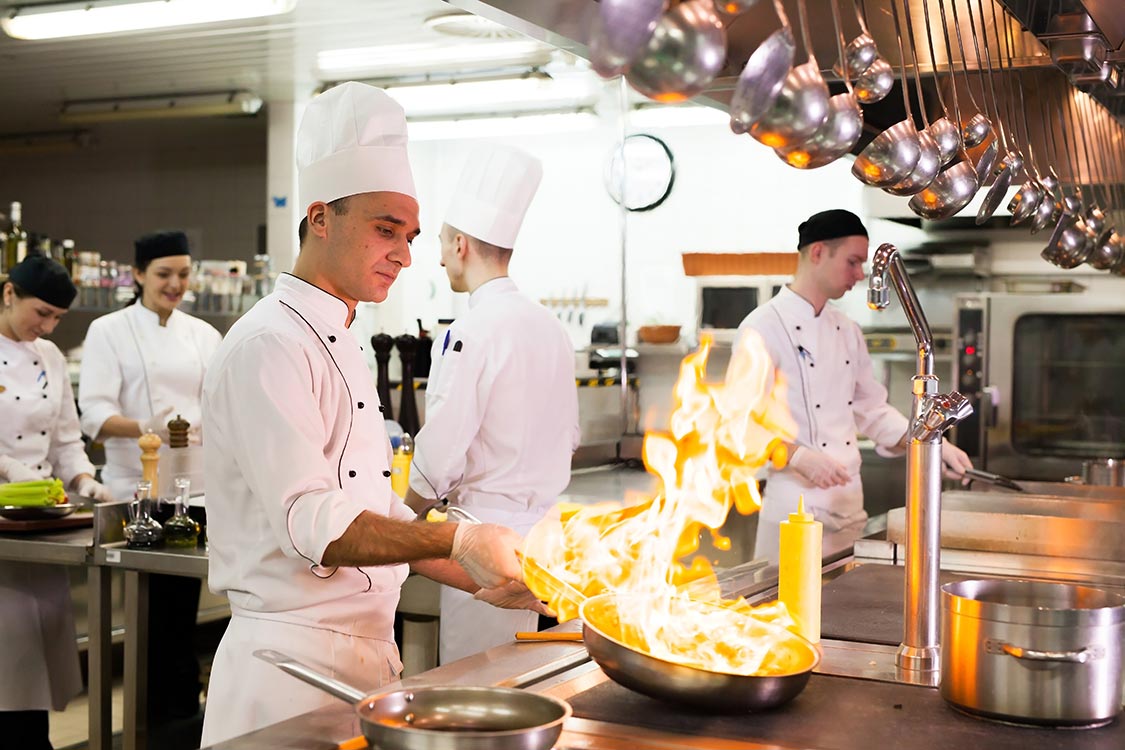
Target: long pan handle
<point>302,672</point>
<point>987,476</point>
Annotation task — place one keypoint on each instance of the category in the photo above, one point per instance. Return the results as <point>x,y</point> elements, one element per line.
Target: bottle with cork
<point>799,581</point>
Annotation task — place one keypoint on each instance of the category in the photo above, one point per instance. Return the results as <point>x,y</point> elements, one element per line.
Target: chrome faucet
<point>931,415</point>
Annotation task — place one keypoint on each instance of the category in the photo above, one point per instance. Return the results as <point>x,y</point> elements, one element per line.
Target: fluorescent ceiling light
<point>215,104</point>
<point>683,115</point>
<point>403,59</point>
<point>496,127</point>
<point>531,94</point>
<point>57,20</point>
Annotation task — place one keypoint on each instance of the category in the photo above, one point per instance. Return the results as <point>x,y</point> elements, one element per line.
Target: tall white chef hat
<point>352,140</point>
<point>492,196</point>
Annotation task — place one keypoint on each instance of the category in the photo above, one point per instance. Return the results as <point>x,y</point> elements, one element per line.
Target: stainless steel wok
<point>443,717</point>
<point>682,685</point>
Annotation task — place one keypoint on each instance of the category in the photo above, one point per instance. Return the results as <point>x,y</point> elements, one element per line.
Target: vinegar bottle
<point>799,570</point>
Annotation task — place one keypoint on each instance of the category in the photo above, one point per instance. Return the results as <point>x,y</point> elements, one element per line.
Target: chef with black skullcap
<point>833,394</point>
<point>40,438</point>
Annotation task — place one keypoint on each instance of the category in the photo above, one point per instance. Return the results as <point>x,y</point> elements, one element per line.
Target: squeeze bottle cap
<point>801,516</point>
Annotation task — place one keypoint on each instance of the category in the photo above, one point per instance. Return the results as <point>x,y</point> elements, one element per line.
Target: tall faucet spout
<point>887,262</point>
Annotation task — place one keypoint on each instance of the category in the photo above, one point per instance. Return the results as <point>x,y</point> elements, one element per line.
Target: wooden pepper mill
<point>178,432</point>
<point>407,406</point>
<point>150,453</point>
<point>382,344</point>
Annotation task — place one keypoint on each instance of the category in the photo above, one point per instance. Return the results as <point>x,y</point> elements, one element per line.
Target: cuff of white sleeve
<point>316,519</point>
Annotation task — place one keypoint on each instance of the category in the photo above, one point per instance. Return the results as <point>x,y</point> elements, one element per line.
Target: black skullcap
<point>829,225</point>
<point>159,245</point>
<point>44,278</point>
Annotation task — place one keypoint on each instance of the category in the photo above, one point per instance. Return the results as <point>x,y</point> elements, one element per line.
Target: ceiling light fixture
<point>48,142</point>
<point>207,104</point>
<point>497,127</point>
<point>406,59</point>
<point>92,17</point>
<point>507,96</point>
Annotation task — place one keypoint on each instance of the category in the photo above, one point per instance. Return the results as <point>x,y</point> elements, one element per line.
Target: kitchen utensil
<point>763,75</point>
<point>979,127</point>
<point>1033,652</point>
<point>548,636</point>
<point>678,684</point>
<point>683,55</point>
<point>860,52</point>
<point>443,717</point>
<point>1108,472</point>
<point>620,31</point>
<point>929,159</point>
<point>875,83</point>
<point>36,512</point>
<point>996,479</point>
<point>734,7</point>
<point>1009,167</point>
<point>801,106</point>
<point>842,127</point>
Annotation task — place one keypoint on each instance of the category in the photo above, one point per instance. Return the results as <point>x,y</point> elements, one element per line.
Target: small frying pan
<point>443,717</point>
<point>996,479</point>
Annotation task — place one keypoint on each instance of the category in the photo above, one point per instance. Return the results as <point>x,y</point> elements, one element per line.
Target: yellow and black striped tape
<point>601,382</point>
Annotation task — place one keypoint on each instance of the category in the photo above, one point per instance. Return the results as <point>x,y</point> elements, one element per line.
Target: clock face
<point>643,167</point>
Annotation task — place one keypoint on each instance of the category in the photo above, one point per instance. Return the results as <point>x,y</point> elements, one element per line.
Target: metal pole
<point>623,99</point>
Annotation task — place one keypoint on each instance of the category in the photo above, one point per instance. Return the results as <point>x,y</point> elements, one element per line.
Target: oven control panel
<point>969,368</point>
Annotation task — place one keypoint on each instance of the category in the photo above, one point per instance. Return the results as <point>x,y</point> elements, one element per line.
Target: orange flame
<point>720,435</point>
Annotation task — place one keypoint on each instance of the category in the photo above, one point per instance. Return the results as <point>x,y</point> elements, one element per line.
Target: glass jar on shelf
<point>143,531</point>
<point>181,530</point>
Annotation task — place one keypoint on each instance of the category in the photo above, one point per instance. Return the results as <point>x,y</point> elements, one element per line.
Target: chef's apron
<point>38,642</point>
<point>469,626</point>
<point>840,509</point>
<point>246,693</point>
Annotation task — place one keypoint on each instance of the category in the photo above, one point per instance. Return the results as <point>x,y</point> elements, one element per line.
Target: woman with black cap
<point>142,366</point>
<point>40,439</point>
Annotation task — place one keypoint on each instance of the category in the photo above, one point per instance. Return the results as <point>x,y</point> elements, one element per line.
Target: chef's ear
<point>816,252</point>
<point>461,245</point>
<point>317,217</point>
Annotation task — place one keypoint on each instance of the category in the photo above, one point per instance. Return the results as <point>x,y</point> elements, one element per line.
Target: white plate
<point>36,513</point>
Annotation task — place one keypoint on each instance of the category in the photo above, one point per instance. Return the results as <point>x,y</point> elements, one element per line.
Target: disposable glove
<point>195,434</point>
<point>487,552</point>
<point>158,423</point>
<point>955,462</point>
<point>17,471</point>
<point>818,468</point>
<point>513,595</point>
<point>89,487</point>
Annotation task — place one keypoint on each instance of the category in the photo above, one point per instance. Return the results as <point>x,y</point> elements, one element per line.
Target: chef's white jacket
<point>295,450</point>
<point>135,367</point>
<point>501,426</point>
<point>833,396</point>
<point>39,428</point>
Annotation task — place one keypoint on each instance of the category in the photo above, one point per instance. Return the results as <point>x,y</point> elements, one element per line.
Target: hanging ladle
<point>761,79</point>
<point>860,52</point>
<point>1072,245</point>
<point>945,132</point>
<point>955,185</point>
<point>1012,162</point>
<point>801,106</point>
<point>929,160</point>
<point>986,159</point>
<point>841,129</point>
<point>1050,208</point>
<point>620,31</point>
<point>686,51</point>
<point>1031,192</point>
<point>878,78</point>
<point>1109,250</point>
<point>977,129</point>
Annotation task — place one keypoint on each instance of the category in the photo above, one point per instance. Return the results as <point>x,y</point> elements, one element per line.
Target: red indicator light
<point>970,350</point>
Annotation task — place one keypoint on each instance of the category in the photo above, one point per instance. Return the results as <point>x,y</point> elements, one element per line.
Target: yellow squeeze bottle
<point>798,575</point>
<point>400,466</point>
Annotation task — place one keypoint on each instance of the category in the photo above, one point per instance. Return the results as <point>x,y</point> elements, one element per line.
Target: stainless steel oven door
<point>1052,394</point>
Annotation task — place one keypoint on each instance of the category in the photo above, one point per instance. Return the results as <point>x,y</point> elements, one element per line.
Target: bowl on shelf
<point>658,334</point>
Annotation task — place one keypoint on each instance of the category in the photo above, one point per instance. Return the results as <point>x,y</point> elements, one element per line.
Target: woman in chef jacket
<point>39,439</point>
<point>141,366</point>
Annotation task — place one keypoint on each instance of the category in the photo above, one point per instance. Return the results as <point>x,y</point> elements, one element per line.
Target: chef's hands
<point>90,487</point>
<point>955,462</point>
<point>158,423</point>
<point>513,595</point>
<point>487,552</point>
<point>17,471</point>
<point>820,469</point>
<point>195,434</point>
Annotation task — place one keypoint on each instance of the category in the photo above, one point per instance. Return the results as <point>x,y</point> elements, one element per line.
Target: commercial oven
<point>1045,374</point>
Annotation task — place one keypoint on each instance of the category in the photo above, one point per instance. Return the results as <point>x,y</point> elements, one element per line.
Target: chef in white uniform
<point>141,366</point>
<point>144,364</point>
<point>833,394</point>
<point>39,439</point>
<point>501,400</point>
<point>307,540</point>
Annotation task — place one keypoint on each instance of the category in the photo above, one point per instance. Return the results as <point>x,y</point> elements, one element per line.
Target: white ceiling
<point>267,56</point>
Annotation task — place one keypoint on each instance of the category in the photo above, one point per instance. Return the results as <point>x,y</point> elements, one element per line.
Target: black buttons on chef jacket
<point>42,432</point>
<point>381,409</point>
<point>36,363</point>
<point>824,445</point>
<point>360,404</point>
<point>386,473</point>
<point>351,474</point>
<point>332,339</point>
<point>798,328</point>
<point>818,406</point>
<point>849,403</point>
<point>847,361</point>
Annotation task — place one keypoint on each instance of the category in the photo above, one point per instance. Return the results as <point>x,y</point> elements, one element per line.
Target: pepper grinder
<point>382,344</point>
<point>178,432</point>
<point>150,444</point>
<point>408,407</point>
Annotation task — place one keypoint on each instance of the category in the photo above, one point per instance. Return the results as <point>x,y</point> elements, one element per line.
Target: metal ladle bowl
<point>686,51</point>
<point>890,158</point>
<point>800,109</point>
<point>1074,245</point>
<point>1025,201</point>
<point>924,172</point>
<point>976,130</point>
<point>833,139</point>
<point>859,55</point>
<point>1107,253</point>
<point>947,136</point>
<point>875,83</point>
<point>761,79</point>
<point>620,31</point>
<point>1047,212</point>
<point>1005,172</point>
<point>950,191</point>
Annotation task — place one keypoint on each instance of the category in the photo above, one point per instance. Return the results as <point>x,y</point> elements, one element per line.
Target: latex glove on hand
<point>17,471</point>
<point>158,423</point>
<point>955,462</point>
<point>818,468</point>
<point>195,434</point>
<point>487,552</point>
<point>90,487</point>
<point>513,595</point>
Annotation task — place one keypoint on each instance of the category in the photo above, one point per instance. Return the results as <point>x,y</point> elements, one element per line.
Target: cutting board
<point>74,521</point>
